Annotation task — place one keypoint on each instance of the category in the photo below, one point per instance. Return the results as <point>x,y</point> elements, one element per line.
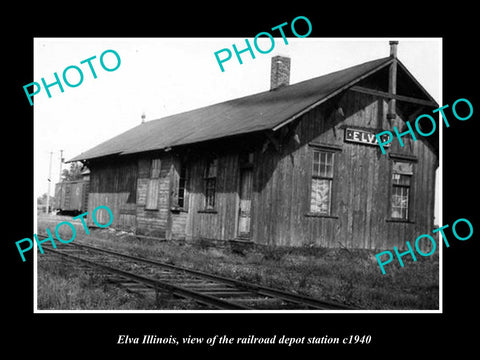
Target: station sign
<point>361,136</point>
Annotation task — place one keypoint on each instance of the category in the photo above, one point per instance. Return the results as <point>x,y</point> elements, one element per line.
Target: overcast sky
<point>164,76</point>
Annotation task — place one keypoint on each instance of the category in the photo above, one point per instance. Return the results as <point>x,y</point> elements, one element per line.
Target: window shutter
<point>152,194</point>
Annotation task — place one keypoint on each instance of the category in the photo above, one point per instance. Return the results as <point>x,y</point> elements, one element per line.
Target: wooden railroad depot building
<point>296,165</point>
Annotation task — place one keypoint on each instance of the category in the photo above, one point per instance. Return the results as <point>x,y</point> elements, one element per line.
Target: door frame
<point>246,162</point>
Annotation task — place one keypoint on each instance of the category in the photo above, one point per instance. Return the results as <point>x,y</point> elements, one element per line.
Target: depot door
<point>245,208</point>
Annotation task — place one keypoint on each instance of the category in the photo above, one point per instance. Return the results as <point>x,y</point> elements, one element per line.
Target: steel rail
<point>260,289</point>
<point>202,298</point>
<point>305,301</point>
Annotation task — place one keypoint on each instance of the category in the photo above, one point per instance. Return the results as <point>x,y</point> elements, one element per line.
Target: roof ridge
<point>282,88</point>
<point>266,110</point>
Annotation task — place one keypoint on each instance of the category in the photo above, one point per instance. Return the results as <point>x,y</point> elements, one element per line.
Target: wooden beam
<point>393,96</point>
<point>392,81</point>
<point>404,69</point>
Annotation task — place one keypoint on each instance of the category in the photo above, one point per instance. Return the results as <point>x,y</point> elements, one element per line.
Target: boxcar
<point>71,196</point>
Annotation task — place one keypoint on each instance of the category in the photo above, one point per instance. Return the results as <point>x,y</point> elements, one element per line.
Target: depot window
<point>401,182</point>
<point>322,179</point>
<point>182,187</point>
<point>210,182</point>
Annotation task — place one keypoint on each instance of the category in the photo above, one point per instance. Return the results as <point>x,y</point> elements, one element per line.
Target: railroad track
<point>144,276</point>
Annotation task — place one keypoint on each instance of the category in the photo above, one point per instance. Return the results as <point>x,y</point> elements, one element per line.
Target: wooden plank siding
<point>152,220</point>
<point>361,186</point>
<point>281,184</point>
<point>113,183</point>
<point>219,223</point>
<point>123,213</point>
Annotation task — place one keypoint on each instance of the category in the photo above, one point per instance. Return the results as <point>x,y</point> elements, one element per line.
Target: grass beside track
<point>351,277</point>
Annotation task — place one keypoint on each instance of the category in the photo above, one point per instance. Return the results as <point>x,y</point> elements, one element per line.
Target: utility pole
<point>49,181</point>
<point>61,162</point>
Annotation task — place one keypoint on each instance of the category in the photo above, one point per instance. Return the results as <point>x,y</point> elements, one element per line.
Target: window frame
<point>327,175</point>
<point>210,183</point>
<point>180,185</point>
<point>402,186</point>
<point>182,193</point>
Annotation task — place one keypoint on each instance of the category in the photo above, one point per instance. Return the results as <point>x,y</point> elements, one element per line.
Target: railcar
<point>71,197</point>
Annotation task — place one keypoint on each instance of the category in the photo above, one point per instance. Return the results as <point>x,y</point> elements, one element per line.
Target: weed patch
<point>349,276</point>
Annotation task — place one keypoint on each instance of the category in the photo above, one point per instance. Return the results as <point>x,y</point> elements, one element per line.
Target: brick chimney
<point>280,72</point>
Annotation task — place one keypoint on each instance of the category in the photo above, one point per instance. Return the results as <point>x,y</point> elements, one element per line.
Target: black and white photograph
<point>222,180</point>
<point>198,188</point>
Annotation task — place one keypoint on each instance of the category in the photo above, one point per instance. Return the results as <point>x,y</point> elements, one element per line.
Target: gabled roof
<point>267,110</point>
